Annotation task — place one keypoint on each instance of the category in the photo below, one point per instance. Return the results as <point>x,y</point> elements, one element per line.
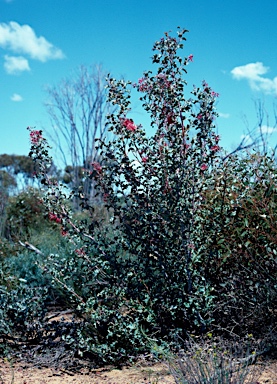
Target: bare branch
<point>77,107</point>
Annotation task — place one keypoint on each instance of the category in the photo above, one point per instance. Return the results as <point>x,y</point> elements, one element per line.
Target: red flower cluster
<point>36,137</point>
<point>53,217</point>
<point>170,119</point>
<point>143,87</point>
<point>129,125</point>
<point>97,167</point>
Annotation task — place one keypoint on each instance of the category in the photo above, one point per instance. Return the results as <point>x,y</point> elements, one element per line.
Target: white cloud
<point>224,115</point>
<point>22,39</point>
<point>15,64</point>
<point>16,97</point>
<point>267,130</point>
<point>253,73</point>
<point>249,71</point>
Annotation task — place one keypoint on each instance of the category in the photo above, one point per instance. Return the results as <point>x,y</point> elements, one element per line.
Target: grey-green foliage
<point>239,216</point>
<point>20,309</point>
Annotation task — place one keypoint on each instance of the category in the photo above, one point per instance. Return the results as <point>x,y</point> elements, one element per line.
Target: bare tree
<point>265,128</point>
<point>77,107</point>
<point>258,137</point>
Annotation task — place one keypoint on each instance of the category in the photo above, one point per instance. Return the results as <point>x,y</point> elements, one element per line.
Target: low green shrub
<point>21,309</point>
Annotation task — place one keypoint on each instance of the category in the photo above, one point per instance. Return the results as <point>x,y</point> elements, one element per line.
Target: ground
<point>20,373</point>
<point>27,375</point>
<point>47,365</point>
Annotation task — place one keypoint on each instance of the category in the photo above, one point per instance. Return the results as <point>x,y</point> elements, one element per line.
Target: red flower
<point>52,216</point>
<point>58,220</point>
<point>215,148</point>
<point>204,167</point>
<point>190,58</point>
<point>129,125</point>
<point>144,159</point>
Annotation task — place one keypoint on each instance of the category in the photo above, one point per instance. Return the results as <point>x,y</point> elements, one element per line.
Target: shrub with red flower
<point>159,246</point>
<point>163,255</point>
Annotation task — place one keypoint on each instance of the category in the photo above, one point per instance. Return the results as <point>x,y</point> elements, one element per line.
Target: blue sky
<point>233,44</point>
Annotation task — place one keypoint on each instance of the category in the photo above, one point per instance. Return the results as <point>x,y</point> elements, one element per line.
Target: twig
<point>31,247</point>
<point>56,314</point>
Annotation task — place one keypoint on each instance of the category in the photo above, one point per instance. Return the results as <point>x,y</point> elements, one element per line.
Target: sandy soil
<point>158,373</point>
<point>28,374</point>
<point>27,371</point>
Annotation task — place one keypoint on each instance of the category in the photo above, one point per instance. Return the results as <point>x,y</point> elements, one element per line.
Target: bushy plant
<point>25,212</point>
<point>22,309</point>
<point>239,216</point>
<point>167,258</point>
